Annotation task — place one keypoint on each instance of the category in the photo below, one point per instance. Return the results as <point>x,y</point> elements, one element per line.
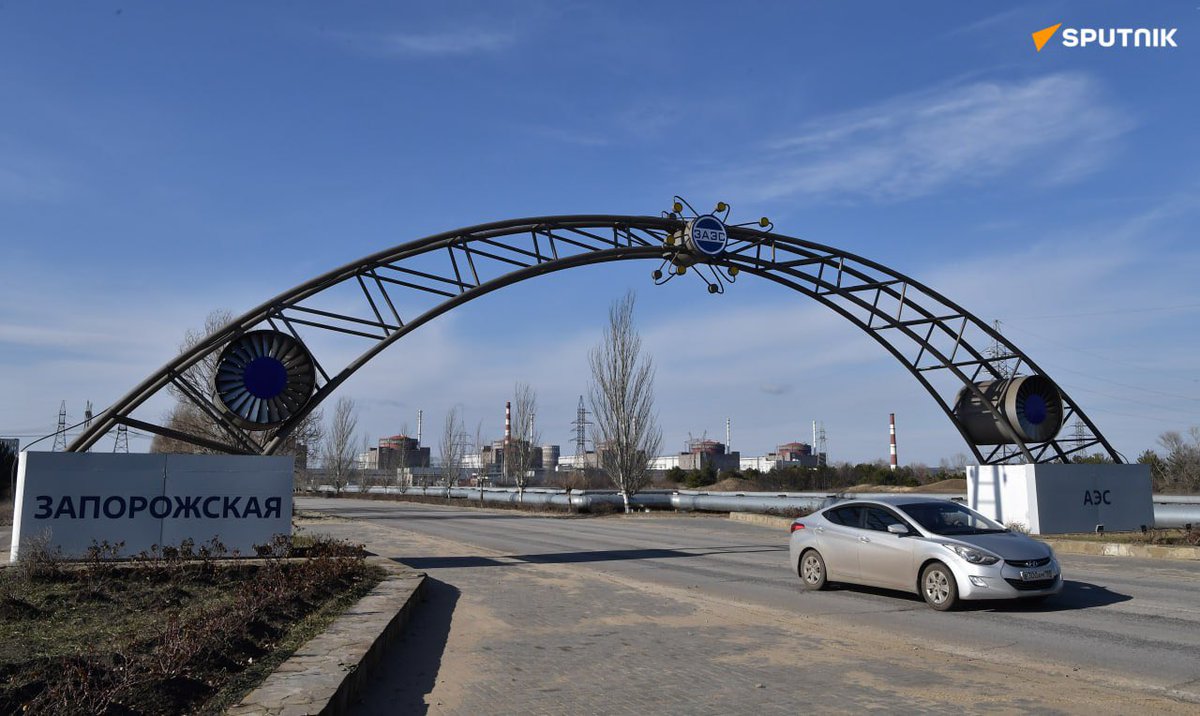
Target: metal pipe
<point>1176,515</point>
<point>1169,510</point>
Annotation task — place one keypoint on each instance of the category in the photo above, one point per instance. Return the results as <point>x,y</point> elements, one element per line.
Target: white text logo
<point>1108,36</point>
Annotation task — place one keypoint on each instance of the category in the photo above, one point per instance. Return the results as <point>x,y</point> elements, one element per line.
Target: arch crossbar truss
<point>378,300</point>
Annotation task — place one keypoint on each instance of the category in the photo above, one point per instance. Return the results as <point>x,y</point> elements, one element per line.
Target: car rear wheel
<point>938,587</point>
<point>812,570</point>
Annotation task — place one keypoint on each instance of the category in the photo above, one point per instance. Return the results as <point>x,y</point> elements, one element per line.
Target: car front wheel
<point>812,570</point>
<point>938,587</point>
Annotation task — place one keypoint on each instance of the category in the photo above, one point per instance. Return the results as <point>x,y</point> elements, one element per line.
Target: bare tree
<point>480,444</point>
<point>338,448</point>
<point>453,448</point>
<point>8,470</point>
<point>1179,469</point>
<point>954,466</point>
<point>523,448</point>
<point>186,415</point>
<point>401,457</point>
<point>626,431</point>
<point>363,463</point>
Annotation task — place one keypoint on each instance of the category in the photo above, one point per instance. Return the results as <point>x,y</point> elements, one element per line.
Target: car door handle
<point>820,529</point>
<point>864,539</point>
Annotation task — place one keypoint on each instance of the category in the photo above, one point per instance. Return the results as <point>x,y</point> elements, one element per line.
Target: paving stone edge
<point>1062,546</point>
<point>328,672</point>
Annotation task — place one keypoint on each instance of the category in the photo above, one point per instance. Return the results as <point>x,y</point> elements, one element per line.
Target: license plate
<point>1037,575</point>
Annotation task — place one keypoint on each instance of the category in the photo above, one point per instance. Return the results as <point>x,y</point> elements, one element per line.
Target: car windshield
<point>950,518</point>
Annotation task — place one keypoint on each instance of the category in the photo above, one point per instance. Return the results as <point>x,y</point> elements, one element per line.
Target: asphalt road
<point>1124,624</point>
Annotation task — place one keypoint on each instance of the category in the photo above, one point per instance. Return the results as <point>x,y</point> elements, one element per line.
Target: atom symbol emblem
<point>703,240</point>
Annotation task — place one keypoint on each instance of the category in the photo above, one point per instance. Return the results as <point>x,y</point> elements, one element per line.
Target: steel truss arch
<point>943,346</point>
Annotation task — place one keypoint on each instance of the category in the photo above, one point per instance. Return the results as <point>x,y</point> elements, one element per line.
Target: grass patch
<point>163,633</point>
<point>310,626</point>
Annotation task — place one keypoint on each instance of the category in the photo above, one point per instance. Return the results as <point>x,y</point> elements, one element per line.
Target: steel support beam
<point>402,288</point>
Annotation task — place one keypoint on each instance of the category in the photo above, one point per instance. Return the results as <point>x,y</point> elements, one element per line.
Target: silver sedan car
<point>937,548</point>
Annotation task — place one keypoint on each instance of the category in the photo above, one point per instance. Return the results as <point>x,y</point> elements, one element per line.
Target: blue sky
<point>161,160</point>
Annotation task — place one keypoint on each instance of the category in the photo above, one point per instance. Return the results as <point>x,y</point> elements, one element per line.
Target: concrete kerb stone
<point>754,518</point>
<point>328,672</point>
<point>1122,549</point>
<point>1060,544</point>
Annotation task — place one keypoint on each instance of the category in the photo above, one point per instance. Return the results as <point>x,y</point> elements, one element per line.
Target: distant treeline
<point>808,479</point>
<point>1175,468</point>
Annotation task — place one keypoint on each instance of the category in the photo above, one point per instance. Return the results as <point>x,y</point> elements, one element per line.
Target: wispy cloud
<point>640,122</point>
<point>651,119</point>
<point>457,42</point>
<point>570,136</point>
<point>992,22</point>
<point>1053,129</point>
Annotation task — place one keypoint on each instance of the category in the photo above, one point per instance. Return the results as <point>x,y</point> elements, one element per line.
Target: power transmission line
<point>581,423</point>
<point>60,433</point>
<point>121,443</point>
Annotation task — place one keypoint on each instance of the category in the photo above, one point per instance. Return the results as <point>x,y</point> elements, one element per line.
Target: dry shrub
<point>99,563</point>
<point>791,512</point>
<point>37,562</point>
<point>604,508</point>
<point>170,670</point>
<point>89,684</point>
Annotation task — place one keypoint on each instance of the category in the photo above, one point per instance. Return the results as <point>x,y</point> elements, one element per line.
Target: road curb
<point>1118,549</point>
<point>329,671</point>
<point>1060,545</point>
<point>764,520</point>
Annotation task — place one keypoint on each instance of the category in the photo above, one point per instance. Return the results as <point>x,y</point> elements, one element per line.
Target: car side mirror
<point>897,529</point>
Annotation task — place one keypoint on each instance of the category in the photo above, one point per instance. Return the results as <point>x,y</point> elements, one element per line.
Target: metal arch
<point>877,299</point>
<point>935,339</point>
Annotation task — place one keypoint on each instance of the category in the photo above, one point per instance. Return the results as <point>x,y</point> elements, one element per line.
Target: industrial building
<point>699,454</point>
<point>793,454</point>
<point>489,462</point>
<point>402,461</point>
<point>586,461</point>
<point>394,452</point>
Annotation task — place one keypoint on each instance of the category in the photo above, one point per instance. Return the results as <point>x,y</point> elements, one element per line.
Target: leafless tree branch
<point>338,449</point>
<point>626,431</point>
<point>523,449</point>
<point>453,447</point>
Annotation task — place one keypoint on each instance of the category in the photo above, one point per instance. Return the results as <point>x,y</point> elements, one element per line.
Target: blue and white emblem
<point>707,235</point>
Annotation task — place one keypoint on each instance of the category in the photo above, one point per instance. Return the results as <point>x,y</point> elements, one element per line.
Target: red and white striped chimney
<point>892,435</point>
<point>507,423</point>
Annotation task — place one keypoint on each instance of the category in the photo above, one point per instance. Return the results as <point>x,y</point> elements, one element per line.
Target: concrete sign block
<point>73,499</point>
<point>1062,499</point>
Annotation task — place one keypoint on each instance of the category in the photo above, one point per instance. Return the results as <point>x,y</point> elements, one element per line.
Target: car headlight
<point>972,555</point>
